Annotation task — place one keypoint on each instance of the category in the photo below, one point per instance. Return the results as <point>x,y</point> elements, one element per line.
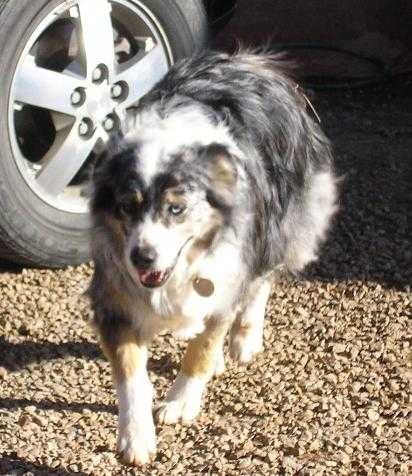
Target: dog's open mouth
<point>153,278</point>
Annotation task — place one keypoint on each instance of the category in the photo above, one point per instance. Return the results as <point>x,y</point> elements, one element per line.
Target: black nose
<point>143,257</point>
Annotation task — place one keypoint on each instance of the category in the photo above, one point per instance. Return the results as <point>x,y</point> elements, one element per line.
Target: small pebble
<point>373,415</point>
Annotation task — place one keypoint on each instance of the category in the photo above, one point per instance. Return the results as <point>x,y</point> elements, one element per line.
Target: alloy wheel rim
<point>84,99</point>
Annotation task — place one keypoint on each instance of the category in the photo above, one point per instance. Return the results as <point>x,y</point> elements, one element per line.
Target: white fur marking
<point>305,230</point>
<point>183,401</point>
<point>220,363</point>
<point>136,437</point>
<point>223,267</point>
<point>161,137</point>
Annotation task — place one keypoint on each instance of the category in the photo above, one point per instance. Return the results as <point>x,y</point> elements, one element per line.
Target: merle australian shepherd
<point>219,179</point>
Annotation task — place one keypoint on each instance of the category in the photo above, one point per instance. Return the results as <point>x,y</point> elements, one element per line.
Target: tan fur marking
<point>222,171</point>
<point>124,353</point>
<point>173,196</point>
<point>240,328</point>
<point>200,356</point>
<point>120,301</point>
<point>137,197</point>
<point>204,242</point>
<point>117,230</point>
<point>243,330</point>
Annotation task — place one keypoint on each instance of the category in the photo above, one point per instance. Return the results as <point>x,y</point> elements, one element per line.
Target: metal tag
<point>203,287</point>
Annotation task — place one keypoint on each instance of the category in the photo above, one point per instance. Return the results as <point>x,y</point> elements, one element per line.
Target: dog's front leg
<point>136,441</point>
<point>202,359</point>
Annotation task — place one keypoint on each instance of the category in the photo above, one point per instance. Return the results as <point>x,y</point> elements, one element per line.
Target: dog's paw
<point>169,412</point>
<point>183,401</point>
<point>243,347</point>
<point>136,444</point>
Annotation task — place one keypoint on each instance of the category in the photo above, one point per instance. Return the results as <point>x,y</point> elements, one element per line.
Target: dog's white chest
<point>183,313</point>
<point>193,295</point>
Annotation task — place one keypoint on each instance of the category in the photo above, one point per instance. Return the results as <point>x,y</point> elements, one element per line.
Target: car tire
<point>32,232</point>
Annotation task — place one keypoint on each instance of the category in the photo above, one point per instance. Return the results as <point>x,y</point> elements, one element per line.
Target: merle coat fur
<point>233,134</point>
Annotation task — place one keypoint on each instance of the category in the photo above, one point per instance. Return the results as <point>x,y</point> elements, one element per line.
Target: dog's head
<point>158,205</point>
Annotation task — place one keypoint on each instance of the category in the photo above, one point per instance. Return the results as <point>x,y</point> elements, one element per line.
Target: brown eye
<point>127,208</point>
<point>176,210</point>
<point>131,204</point>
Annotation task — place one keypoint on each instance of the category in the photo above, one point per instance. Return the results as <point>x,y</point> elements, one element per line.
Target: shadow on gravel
<point>16,356</point>
<point>12,403</point>
<point>13,465</point>
<point>163,366</point>
<point>371,134</point>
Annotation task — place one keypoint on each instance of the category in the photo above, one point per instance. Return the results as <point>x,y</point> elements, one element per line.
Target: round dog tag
<point>203,287</point>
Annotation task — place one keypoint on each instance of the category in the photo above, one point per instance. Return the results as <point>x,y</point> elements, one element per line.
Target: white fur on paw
<point>243,348</point>
<point>183,401</point>
<point>136,443</point>
<point>220,364</point>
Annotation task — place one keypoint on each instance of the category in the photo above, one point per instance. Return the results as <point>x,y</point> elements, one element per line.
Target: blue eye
<point>176,210</point>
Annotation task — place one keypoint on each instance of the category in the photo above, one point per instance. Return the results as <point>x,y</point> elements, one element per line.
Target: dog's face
<point>160,222</point>
<point>158,208</point>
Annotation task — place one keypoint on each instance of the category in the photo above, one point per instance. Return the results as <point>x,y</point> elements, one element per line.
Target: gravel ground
<point>331,393</point>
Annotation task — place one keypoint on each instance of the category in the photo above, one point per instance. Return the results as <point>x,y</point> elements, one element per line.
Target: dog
<point>219,180</point>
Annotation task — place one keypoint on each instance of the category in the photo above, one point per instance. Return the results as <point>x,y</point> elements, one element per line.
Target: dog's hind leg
<point>202,360</point>
<point>219,363</point>
<point>246,335</point>
<point>136,441</point>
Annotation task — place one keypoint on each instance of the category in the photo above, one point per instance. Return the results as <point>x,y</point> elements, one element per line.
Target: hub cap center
<point>98,102</point>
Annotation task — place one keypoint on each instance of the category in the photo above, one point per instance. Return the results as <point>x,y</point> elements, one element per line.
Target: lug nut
<point>86,128</point>
<point>120,91</point>
<point>108,124</point>
<point>83,129</point>
<point>97,74</point>
<point>100,73</point>
<point>78,97</point>
<point>117,91</point>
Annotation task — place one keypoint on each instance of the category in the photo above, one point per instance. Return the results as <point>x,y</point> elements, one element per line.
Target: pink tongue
<point>150,277</point>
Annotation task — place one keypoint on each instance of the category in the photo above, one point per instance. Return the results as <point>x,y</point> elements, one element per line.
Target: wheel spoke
<point>97,35</point>
<point>44,88</point>
<point>63,160</point>
<point>142,74</point>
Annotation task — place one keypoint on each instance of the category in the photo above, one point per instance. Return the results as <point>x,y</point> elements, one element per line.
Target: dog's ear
<point>107,166</point>
<point>113,147</point>
<point>222,174</point>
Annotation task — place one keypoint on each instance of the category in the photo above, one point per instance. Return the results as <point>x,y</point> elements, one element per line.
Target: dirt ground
<point>330,395</point>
